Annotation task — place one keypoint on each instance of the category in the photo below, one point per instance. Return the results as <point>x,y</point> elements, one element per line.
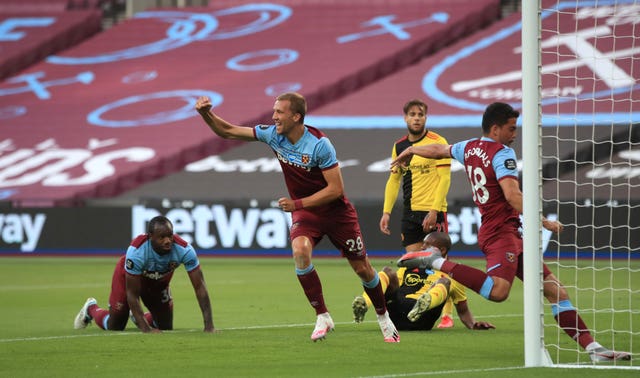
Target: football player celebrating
<point>493,175</point>
<point>317,202</point>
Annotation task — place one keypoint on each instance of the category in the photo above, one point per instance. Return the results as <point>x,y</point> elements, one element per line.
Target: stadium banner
<point>254,228</point>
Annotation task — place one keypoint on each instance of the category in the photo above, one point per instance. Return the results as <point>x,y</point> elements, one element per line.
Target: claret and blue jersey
<point>141,259</point>
<point>486,162</point>
<point>303,162</point>
<point>503,161</point>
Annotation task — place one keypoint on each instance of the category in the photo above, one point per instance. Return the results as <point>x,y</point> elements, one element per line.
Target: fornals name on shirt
<point>479,152</point>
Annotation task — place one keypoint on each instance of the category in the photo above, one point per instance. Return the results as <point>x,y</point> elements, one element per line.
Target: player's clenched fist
<point>203,104</point>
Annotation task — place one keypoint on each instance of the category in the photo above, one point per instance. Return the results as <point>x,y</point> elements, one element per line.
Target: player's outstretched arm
<point>430,151</point>
<point>219,126</point>
<point>465,315</point>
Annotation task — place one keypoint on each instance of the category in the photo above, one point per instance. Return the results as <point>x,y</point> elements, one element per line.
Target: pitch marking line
<point>422,373</point>
<point>126,333</point>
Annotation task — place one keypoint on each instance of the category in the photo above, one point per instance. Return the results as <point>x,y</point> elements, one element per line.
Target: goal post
<point>581,164</point>
<point>531,179</point>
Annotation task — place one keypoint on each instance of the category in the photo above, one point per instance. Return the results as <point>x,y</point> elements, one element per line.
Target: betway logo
<point>22,229</point>
<point>463,227</point>
<point>218,227</point>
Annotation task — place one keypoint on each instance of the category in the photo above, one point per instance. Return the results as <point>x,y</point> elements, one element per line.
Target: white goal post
<point>532,285</point>
<point>581,163</point>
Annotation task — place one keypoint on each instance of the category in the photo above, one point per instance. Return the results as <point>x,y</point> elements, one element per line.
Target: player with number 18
<point>492,171</point>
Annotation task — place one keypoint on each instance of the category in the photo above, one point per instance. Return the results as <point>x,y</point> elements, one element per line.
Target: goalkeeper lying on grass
<point>415,297</point>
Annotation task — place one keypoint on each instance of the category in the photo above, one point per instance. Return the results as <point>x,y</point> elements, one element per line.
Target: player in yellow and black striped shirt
<point>425,184</point>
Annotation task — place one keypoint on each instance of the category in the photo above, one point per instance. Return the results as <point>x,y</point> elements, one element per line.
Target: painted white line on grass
<point>592,366</point>
<point>125,333</point>
<point>9,288</point>
<point>471,371</point>
<point>439,372</point>
<point>114,333</point>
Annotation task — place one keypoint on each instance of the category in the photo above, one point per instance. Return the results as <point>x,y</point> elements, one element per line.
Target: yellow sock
<point>438,295</point>
<point>447,310</point>
<point>384,280</point>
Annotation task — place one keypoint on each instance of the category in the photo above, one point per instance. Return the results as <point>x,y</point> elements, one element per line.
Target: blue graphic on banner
<point>282,57</point>
<point>189,97</point>
<point>12,111</point>
<point>139,77</point>
<point>386,26</point>
<point>39,88</point>
<point>7,193</point>
<point>8,27</point>
<point>268,16</point>
<point>183,30</point>
<point>430,79</point>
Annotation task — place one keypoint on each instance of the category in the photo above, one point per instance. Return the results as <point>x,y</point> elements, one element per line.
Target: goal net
<point>588,164</point>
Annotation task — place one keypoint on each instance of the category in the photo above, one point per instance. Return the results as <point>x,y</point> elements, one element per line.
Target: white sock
<point>593,345</point>
<point>437,263</point>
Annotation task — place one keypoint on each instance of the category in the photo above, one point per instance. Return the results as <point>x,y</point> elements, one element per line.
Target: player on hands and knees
<point>143,275</point>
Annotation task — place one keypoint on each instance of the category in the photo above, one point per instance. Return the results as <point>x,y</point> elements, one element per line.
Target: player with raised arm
<point>316,201</point>
<point>492,171</point>
<point>144,274</point>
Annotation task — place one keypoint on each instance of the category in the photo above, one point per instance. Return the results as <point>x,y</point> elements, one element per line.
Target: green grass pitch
<point>264,322</point>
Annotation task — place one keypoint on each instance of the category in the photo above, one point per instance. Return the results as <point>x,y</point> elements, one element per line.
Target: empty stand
<point>32,36</point>
<point>116,111</point>
<point>457,83</point>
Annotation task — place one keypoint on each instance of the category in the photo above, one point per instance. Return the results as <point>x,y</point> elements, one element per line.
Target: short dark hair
<point>415,102</point>
<point>297,103</point>
<point>160,219</point>
<point>440,240</point>
<point>497,113</point>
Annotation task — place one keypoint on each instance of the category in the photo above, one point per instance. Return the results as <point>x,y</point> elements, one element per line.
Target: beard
<point>416,132</point>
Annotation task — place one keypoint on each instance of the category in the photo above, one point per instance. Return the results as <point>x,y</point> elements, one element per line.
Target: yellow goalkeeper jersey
<point>416,282</point>
<point>425,182</point>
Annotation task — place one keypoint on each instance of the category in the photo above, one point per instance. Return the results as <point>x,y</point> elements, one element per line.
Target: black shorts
<point>399,306</point>
<point>411,226</point>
